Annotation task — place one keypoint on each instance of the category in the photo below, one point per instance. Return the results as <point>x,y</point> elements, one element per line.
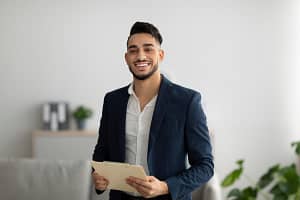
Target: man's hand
<point>151,187</point>
<point>100,182</point>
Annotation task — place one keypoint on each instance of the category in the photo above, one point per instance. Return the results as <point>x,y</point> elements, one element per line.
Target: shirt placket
<point>139,128</point>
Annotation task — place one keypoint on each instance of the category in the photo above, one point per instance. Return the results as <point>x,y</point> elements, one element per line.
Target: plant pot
<point>80,123</point>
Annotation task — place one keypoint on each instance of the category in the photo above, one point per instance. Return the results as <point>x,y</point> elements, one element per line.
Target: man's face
<point>143,55</point>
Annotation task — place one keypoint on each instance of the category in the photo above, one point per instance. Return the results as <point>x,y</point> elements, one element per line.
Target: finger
<point>99,177</point>
<point>131,183</point>
<point>103,182</point>
<point>140,187</point>
<point>137,179</point>
<point>102,179</point>
<point>95,173</point>
<point>101,185</point>
<point>143,194</point>
<point>144,184</point>
<point>143,190</point>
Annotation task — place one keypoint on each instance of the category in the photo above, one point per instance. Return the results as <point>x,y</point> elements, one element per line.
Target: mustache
<point>142,60</point>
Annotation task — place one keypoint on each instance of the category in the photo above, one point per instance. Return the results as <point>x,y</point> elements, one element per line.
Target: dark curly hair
<point>144,27</point>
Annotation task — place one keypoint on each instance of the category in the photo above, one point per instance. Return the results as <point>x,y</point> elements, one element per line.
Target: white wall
<point>241,55</point>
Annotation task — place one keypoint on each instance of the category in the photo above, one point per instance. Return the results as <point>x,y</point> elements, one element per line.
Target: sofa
<point>31,179</point>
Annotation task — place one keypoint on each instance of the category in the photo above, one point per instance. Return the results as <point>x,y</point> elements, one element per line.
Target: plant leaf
<point>290,181</point>
<point>275,190</point>
<point>297,196</point>
<point>268,177</point>
<point>240,163</point>
<point>281,197</point>
<point>232,177</point>
<point>297,149</point>
<point>249,192</point>
<point>234,193</point>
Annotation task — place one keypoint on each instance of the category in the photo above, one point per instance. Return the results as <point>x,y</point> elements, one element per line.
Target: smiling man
<point>143,55</point>
<point>154,123</point>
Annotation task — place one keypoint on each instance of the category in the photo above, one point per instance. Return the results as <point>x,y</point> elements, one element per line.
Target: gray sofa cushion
<point>28,179</point>
<point>41,179</point>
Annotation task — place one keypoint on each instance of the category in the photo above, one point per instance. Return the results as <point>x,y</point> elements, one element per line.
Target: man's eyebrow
<point>148,45</point>
<point>144,45</point>
<point>132,46</point>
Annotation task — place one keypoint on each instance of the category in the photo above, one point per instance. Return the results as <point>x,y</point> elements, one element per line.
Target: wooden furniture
<point>63,145</point>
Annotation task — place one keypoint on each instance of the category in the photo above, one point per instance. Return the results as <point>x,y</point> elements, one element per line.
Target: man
<point>154,123</point>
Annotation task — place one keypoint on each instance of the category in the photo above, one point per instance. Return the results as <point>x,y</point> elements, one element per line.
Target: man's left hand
<point>151,187</point>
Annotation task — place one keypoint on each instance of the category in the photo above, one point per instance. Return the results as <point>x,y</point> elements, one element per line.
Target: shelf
<point>63,145</point>
<point>65,133</point>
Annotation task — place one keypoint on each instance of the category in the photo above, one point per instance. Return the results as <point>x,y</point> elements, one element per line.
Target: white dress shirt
<point>137,130</point>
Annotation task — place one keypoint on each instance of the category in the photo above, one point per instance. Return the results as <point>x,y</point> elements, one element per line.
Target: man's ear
<point>161,54</point>
<point>125,56</point>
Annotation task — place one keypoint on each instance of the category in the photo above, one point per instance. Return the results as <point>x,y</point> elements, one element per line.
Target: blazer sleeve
<point>199,151</point>
<point>100,151</point>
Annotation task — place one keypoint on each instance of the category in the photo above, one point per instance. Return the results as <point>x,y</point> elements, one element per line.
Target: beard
<point>144,76</point>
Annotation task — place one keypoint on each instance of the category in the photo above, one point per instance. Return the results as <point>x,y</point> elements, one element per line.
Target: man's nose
<point>141,55</point>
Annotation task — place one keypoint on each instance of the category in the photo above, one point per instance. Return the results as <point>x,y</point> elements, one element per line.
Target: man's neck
<point>145,90</point>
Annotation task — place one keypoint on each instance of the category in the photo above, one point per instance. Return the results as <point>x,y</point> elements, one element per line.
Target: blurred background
<point>243,57</point>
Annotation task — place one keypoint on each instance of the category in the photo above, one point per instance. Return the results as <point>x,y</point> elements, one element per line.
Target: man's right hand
<point>100,182</point>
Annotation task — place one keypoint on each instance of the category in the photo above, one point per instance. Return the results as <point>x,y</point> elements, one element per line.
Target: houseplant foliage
<point>81,113</point>
<point>279,182</point>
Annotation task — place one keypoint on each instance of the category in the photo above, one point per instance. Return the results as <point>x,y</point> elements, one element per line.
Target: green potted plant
<point>81,113</point>
<point>279,182</point>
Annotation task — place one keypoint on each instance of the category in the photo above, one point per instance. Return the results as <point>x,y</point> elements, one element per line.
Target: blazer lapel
<point>159,112</point>
<point>123,101</point>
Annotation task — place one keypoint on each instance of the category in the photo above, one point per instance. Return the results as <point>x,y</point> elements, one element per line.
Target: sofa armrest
<point>209,191</point>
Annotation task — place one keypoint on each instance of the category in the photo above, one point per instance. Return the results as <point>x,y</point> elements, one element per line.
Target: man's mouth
<point>142,64</point>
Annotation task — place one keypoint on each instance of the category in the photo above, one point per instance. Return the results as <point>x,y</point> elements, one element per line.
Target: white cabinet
<point>64,145</point>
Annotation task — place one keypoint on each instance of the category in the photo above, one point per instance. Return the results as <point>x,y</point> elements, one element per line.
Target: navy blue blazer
<point>178,129</point>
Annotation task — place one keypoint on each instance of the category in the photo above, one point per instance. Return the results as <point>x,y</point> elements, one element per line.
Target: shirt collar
<point>130,89</point>
<point>131,92</point>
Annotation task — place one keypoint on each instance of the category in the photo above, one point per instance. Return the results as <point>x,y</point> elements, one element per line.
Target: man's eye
<point>132,51</point>
<point>148,49</point>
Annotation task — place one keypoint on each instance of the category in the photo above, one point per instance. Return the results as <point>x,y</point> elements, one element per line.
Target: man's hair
<point>144,27</point>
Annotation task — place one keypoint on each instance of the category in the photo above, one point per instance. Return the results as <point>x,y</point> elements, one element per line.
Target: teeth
<point>141,64</point>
